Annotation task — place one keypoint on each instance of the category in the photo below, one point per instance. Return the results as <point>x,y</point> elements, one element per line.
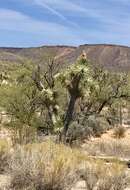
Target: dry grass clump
<point>103,177</point>
<point>22,134</point>
<point>111,147</point>
<point>119,132</point>
<point>45,166</point>
<point>50,166</point>
<point>4,155</point>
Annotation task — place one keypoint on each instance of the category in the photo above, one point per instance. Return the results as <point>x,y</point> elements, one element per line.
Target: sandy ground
<point>4,180</point>
<point>109,136</point>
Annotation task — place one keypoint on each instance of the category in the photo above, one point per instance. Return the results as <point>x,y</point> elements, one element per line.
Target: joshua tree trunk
<point>69,114</point>
<point>74,95</point>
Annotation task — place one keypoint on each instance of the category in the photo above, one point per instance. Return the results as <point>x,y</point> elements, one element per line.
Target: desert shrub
<point>93,126</point>
<point>103,177</point>
<point>98,125</point>
<point>43,167</point>
<point>78,132</point>
<point>119,132</point>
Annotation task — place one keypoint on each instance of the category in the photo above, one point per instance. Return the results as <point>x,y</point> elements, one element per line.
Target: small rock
<point>128,164</point>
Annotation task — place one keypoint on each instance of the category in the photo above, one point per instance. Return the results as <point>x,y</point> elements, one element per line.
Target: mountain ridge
<point>109,56</point>
<point>93,44</point>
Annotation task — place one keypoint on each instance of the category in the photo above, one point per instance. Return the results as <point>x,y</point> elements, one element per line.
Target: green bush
<point>93,126</point>
<point>78,132</point>
<point>98,125</point>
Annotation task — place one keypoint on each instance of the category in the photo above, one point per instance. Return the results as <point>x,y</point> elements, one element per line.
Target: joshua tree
<point>48,94</point>
<point>94,87</point>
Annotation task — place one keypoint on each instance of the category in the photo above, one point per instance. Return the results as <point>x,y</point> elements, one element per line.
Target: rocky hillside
<point>112,57</point>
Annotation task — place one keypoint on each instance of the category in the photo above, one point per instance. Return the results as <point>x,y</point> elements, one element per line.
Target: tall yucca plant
<point>76,78</point>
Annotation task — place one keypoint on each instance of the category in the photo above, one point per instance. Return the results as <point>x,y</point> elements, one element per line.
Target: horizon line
<point>62,45</point>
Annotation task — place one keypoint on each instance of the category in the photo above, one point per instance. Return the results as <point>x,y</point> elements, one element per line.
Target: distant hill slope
<point>111,57</point>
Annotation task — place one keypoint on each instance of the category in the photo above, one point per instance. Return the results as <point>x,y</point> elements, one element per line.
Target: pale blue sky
<point>25,23</point>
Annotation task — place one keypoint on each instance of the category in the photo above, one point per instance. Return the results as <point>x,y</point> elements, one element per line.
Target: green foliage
<point>79,69</point>
<point>109,87</point>
<point>19,102</point>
